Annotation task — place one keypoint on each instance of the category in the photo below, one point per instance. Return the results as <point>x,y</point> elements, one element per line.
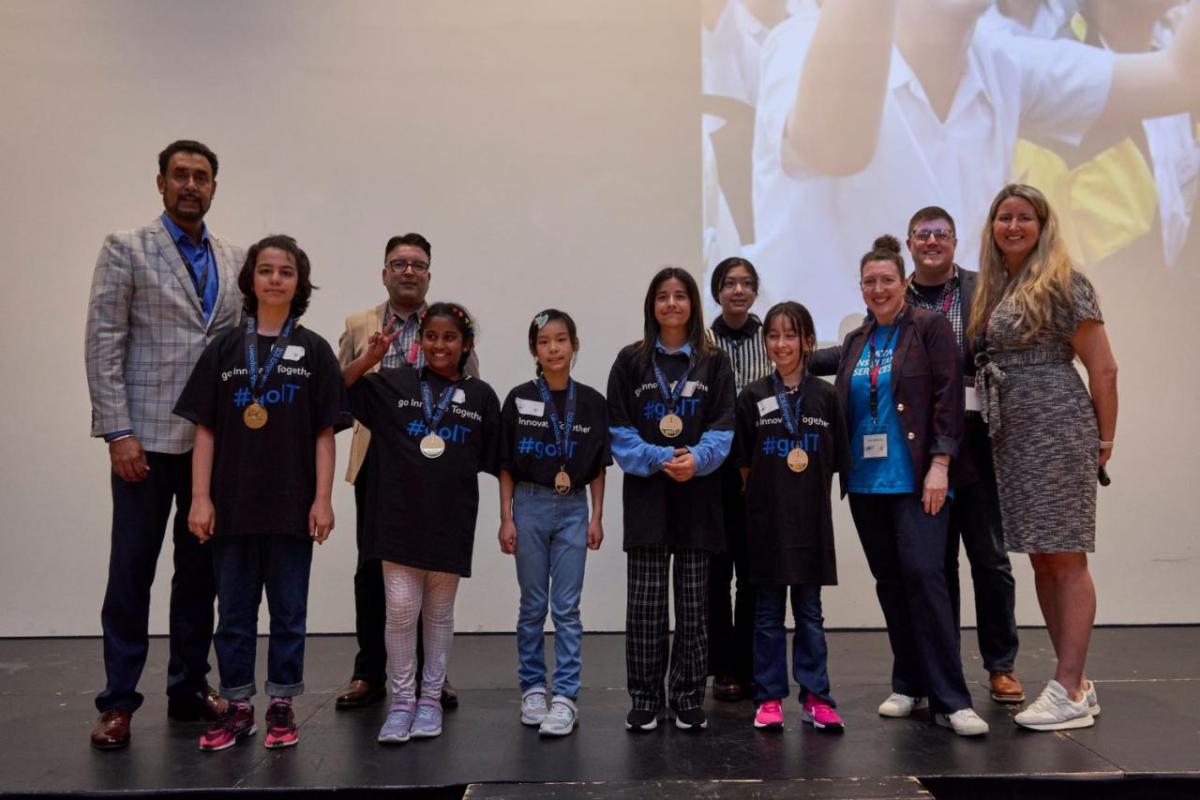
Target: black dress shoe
<point>360,693</point>
<point>111,731</point>
<point>206,707</point>
<point>449,695</point>
<point>727,688</point>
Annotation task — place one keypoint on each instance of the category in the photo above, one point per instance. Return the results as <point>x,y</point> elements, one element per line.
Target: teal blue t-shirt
<point>893,474</point>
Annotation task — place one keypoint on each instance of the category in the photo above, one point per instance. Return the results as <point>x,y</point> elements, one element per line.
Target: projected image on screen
<point>829,122</point>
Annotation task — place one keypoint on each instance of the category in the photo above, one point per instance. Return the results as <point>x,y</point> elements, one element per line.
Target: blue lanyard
<point>873,366</point>
<point>791,414</point>
<point>433,415</point>
<point>562,432</point>
<point>671,398</point>
<point>258,380</point>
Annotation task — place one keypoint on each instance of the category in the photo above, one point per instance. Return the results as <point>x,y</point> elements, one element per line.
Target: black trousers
<point>731,625</point>
<point>139,523</point>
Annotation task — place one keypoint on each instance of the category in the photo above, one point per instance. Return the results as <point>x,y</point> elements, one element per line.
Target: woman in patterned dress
<point>1033,315</point>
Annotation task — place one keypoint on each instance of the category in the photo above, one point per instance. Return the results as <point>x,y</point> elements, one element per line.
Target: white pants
<point>413,593</point>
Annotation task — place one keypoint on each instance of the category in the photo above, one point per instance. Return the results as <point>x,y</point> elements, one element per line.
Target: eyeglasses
<point>940,234</point>
<point>418,267</point>
<point>886,282</point>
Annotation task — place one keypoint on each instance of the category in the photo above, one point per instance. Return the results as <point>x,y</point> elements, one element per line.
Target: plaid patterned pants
<point>414,594</point>
<point>647,638</point>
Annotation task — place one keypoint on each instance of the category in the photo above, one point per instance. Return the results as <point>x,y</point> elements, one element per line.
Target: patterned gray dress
<point>1043,428</point>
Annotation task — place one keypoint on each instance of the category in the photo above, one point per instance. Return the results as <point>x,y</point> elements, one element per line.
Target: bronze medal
<point>432,445</point>
<point>671,425</point>
<point>562,481</point>
<point>255,416</point>
<point>797,460</point>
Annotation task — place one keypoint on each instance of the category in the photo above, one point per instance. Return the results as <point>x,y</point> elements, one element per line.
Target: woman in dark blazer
<point>899,381</point>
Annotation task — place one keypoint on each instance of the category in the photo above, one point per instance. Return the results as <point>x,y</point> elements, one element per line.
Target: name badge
<point>530,408</point>
<point>767,405</point>
<point>293,352</point>
<point>971,398</point>
<point>459,396</point>
<point>689,389</point>
<point>875,445</point>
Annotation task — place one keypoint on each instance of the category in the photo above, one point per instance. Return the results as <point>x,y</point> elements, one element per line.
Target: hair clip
<point>541,319</point>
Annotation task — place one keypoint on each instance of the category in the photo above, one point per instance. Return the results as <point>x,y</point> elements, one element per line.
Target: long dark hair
<point>697,338</point>
<point>802,324</point>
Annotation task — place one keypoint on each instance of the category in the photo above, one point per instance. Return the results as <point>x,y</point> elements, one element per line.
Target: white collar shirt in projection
<point>811,228</point>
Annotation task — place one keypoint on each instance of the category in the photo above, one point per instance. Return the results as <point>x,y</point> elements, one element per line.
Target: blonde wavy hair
<point>1044,279</point>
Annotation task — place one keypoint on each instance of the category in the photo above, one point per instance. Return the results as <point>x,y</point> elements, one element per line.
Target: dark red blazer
<point>927,385</point>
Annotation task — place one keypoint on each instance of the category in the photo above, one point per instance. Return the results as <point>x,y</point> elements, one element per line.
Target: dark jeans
<point>810,656</point>
<point>906,551</point>
<point>975,518</point>
<point>139,523</point>
<point>245,565</point>
<point>370,603</point>
<point>731,627</point>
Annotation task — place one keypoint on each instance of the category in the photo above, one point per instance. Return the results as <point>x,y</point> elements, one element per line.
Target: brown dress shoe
<point>1006,688</point>
<point>111,731</point>
<point>360,693</point>
<point>449,695</point>
<point>727,688</point>
<point>204,707</point>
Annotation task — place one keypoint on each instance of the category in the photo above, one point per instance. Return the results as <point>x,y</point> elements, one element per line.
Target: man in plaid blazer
<point>159,295</point>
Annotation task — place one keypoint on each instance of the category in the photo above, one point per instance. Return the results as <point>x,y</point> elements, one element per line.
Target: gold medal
<point>670,425</point>
<point>562,481</point>
<point>432,445</point>
<point>255,416</point>
<point>797,460</point>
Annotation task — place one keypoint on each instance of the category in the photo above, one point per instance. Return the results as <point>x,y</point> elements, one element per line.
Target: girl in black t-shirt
<point>266,398</point>
<point>554,443</point>
<point>791,438</point>
<point>670,412</point>
<point>433,431</point>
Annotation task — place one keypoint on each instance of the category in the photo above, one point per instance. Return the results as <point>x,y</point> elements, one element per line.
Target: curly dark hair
<point>304,286</point>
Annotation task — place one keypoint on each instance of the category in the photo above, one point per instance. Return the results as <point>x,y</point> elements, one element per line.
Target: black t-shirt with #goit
<point>264,481</point>
<point>421,511</point>
<point>659,510</point>
<point>528,448</point>
<point>789,516</point>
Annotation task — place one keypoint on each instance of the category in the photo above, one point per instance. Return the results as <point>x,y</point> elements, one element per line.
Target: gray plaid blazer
<point>146,330</point>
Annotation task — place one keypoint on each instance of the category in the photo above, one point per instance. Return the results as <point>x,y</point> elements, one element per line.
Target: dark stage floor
<point>1148,681</point>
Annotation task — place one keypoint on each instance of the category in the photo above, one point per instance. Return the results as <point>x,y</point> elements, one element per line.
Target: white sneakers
<point>1054,710</point>
<point>533,706</point>
<point>561,719</point>
<point>964,722</point>
<point>901,705</point>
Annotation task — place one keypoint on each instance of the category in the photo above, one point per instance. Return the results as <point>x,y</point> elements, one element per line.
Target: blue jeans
<point>809,654</point>
<point>551,554</point>
<point>140,513</point>
<point>245,565</point>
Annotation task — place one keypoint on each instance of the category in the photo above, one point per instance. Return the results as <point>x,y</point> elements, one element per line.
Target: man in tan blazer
<point>406,267</point>
<point>159,295</point>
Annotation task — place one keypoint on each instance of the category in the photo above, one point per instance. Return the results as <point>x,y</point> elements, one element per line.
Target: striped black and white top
<point>746,350</point>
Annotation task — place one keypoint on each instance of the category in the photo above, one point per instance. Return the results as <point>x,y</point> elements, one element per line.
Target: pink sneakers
<point>769,716</point>
<point>821,715</point>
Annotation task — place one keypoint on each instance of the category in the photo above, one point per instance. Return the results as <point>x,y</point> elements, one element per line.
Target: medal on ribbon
<point>797,458</point>
<point>255,414</point>
<point>562,430</point>
<point>431,444</point>
<point>671,425</point>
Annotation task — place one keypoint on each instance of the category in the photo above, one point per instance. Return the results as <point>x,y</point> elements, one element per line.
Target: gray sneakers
<point>560,720</point>
<point>533,705</point>
<point>398,726</point>
<point>1054,710</point>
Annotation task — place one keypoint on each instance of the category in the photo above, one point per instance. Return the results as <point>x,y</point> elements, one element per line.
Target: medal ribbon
<point>258,380</point>
<point>562,432</point>
<point>791,414</point>
<point>874,366</point>
<point>670,397</point>
<point>433,415</point>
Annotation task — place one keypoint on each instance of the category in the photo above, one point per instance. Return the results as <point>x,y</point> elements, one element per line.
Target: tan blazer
<point>352,344</point>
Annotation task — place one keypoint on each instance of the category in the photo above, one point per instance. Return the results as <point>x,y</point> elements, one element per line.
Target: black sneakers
<point>690,719</point>
<point>640,720</point>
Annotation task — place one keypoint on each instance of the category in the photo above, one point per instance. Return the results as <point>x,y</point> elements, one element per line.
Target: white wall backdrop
<point>548,149</point>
